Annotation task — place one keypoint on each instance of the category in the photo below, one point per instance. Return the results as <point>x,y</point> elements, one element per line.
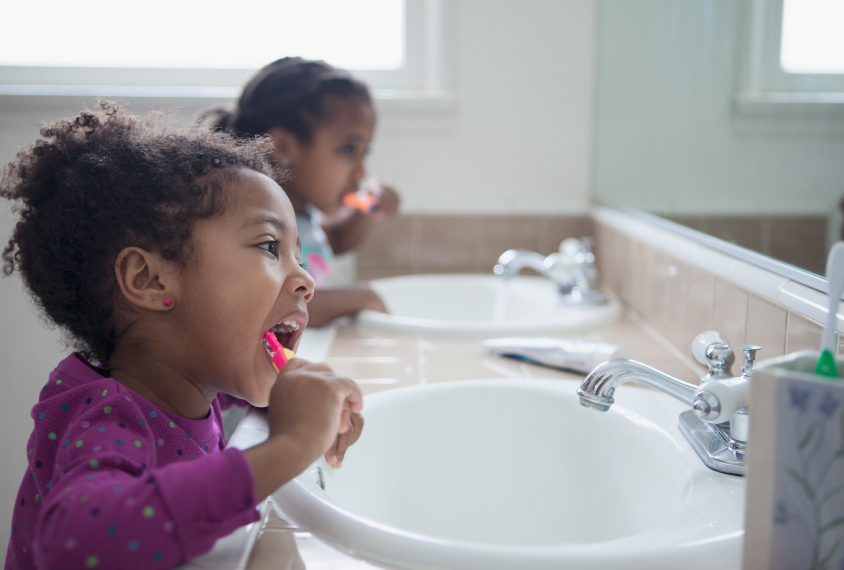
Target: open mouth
<point>287,333</point>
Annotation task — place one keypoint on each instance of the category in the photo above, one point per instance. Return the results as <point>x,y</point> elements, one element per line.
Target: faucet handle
<point>570,247</point>
<point>588,255</point>
<point>749,356</point>
<point>719,359</point>
<point>702,341</point>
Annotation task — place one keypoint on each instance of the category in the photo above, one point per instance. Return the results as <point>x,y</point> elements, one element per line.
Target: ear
<point>286,145</point>
<point>145,279</point>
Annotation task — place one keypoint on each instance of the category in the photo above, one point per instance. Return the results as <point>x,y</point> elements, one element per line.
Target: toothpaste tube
<point>568,354</point>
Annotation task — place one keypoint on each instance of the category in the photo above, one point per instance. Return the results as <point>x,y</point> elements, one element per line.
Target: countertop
<point>379,361</point>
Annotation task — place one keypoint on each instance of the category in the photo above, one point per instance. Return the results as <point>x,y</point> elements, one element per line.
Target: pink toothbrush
<point>280,354</point>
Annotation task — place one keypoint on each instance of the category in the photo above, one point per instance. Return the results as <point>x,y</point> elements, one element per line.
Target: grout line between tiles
<point>525,370</point>
<point>506,372</point>
<point>657,336</point>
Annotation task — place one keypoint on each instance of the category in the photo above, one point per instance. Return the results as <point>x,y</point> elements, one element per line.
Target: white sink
<point>481,306</point>
<point>500,474</point>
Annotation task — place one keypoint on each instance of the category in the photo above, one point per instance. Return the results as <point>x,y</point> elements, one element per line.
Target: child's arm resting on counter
<point>330,304</point>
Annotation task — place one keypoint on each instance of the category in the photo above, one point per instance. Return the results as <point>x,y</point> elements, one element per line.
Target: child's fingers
<point>340,447</point>
<point>388,200</point>
<point>294,364</point>
<point>388,197</point>
<point>297,363</point>
<point>337,453</point>
<point>357,425</point>
<point>334,456</point>
<point>353,399</point>
<point>345,423</point>
<point>352,402</point>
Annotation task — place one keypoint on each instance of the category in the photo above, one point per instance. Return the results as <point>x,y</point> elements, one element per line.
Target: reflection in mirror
<point>721,116</point>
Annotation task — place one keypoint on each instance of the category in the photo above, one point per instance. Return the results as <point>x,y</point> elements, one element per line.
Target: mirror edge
<point>786,270</point>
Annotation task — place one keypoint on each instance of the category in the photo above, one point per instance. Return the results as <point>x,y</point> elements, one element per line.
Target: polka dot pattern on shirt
<point>91,451</point>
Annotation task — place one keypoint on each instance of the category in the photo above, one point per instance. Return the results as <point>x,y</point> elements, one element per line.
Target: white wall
<point>522,131</point>
<point>519,140</point>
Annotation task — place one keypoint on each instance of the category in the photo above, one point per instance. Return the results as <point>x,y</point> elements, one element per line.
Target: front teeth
<point>286,327</point>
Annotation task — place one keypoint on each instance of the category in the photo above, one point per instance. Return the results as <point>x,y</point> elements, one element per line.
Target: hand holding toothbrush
<point>376,197</point>
<point>311,412</point>
<point>346,228</point>
<point>314,405</point>
<point>334,456</point>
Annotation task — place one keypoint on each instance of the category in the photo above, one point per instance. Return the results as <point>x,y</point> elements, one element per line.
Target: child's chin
<point>258,400</point>
<point>260,403</point>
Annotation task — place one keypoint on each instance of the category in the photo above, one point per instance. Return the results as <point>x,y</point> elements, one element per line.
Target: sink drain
<point>319,477</point>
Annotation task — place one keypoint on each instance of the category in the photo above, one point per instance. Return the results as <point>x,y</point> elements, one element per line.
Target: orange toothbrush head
<point>363,201</point>
<point>280,355</point>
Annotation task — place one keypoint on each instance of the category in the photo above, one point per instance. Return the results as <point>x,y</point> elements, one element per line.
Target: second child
<point>321,121</point>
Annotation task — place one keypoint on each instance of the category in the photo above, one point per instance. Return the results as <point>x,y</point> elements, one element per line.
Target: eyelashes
<point>270,247</point>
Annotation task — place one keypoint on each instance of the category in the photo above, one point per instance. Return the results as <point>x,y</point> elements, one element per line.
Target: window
<point>364,34</point>
<point>795,55</point>
<point>209,48</point>
<point>812,37</point>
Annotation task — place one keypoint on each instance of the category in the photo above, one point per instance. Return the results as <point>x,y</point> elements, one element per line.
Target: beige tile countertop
<point>383,361</point>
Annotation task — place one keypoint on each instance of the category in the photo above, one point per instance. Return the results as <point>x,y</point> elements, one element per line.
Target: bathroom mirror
<point>726,117</point>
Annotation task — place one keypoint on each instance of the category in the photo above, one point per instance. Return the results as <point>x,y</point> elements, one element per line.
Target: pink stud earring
<point>168,301</point>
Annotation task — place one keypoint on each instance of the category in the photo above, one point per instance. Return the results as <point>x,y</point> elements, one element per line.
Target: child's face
<point>331,165</point>
<point>246,280</point>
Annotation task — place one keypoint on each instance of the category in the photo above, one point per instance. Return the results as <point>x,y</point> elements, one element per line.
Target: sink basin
<point>481,306</point>
<point>501,474</point>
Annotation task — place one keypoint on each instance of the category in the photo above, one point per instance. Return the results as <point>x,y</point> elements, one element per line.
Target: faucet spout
<point>721,445</point>
<point>513,261</point>
<point>597,389</point>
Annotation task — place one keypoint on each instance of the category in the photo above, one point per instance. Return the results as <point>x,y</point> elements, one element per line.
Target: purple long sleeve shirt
<point>115,481</point>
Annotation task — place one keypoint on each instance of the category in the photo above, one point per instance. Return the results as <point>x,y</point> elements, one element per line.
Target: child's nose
<point>301,283</point>
<point>359,172</point>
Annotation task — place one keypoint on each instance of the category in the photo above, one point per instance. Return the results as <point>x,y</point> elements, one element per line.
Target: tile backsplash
<point>680,300</point>
<point>798,240</point>
<point>428,243</point>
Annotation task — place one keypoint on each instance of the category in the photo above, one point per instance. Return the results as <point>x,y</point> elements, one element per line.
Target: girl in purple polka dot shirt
<point>165,254</point>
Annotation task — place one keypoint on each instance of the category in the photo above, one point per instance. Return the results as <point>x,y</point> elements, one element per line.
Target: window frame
<point>422,71</point>
<point>764,87</point>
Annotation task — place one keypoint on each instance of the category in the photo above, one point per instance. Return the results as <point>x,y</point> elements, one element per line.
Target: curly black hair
<point>290,93</point>
<point>102,182</point>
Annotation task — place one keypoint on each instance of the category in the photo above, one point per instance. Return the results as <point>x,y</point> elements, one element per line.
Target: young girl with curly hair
<point>321,121</point>
<point>166,254</point>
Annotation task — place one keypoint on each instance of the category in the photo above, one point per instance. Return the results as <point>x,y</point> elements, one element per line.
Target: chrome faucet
<point>716,426</point>
<point>597,389</point>
<point>572,269</point>
<point>512,261</point>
